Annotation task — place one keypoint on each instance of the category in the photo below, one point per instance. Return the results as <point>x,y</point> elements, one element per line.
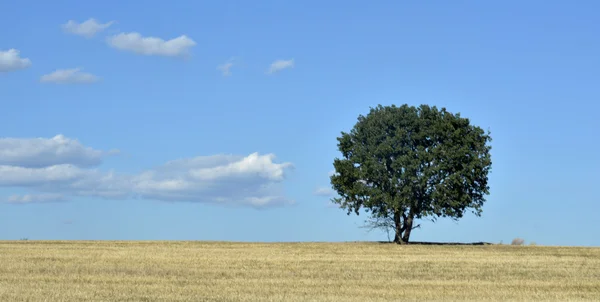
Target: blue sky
<point>101,126</point>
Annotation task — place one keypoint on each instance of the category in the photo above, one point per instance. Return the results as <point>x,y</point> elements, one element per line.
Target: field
<point>217,271</point>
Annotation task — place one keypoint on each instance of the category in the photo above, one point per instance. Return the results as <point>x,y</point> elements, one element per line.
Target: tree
<point>406,163</point>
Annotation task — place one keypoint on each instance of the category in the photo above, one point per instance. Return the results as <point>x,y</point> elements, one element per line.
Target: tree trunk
<point>400,228</point>
<point>404,225</point>
<point>408,224</point>
<point>399,240</point>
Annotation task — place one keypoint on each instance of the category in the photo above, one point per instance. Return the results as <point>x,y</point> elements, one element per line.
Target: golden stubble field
<point>218,271</point>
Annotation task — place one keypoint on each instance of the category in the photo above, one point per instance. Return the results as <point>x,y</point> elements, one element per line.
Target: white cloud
<point>252,180</point>
<point>252,165</point>
<point>134,42</point>
<point>52,175</point>
<point>280,65</point>
<point>225,68</point>
<point>324,191</point>
<point>35,198</point>
<point>69,76</point>
<point>44,152</point>
<point>95,183</point>
<point>10,60</point>
<point>87,29</point>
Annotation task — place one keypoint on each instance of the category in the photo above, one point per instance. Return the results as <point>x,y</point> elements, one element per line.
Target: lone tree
<point>406,163</point>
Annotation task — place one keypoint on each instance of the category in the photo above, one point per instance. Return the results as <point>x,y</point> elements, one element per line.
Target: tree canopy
<point>407,163</point>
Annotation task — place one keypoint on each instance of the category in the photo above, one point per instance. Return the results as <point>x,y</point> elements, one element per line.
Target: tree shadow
<point>439,243</point>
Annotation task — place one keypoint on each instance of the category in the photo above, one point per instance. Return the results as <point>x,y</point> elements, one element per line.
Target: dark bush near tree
<point>517,241</point>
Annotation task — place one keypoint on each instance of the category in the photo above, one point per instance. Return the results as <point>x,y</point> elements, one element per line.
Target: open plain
<point>221,271</point>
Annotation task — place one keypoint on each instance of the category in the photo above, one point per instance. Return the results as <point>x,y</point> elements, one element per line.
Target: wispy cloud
<point>61,170</point>
<point>327,191</point>
<point>151,46</point>
<point>69,76</point>
<point>225,68</point>
<point>280,65</point>
<point>46,152</point>
<point>10,60</point>
<point>88,28</point>
<point>35,198</point>
<point>324,191</point>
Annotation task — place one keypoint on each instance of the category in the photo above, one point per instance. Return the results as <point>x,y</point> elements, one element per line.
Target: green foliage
<point>406,163</point>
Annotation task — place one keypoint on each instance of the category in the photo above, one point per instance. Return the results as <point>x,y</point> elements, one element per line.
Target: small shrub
<point>517,241</point>
<point>533,243</point>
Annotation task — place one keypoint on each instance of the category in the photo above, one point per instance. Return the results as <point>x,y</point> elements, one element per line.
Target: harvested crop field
<point>217,271</point>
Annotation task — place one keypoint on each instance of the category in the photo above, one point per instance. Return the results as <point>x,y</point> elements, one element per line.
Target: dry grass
<point>207,271</point>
